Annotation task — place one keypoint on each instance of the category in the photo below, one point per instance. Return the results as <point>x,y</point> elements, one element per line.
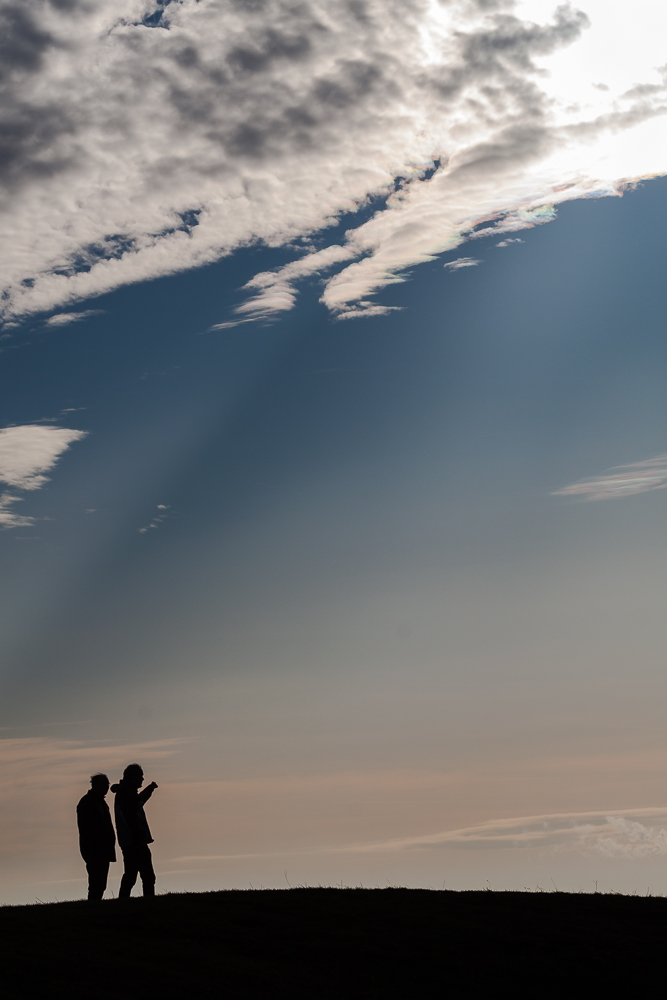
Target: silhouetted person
<point>133,833</point>
<point>96,837</point>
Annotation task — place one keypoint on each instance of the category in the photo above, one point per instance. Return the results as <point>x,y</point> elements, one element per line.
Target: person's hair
<point>97,779</point>
<point>132,769</point>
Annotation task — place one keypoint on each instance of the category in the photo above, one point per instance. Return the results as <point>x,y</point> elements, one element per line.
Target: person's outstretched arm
<point>147,792</point>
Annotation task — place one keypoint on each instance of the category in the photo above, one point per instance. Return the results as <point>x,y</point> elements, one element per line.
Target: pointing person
<point>97,840</point>
<point>134,835</point>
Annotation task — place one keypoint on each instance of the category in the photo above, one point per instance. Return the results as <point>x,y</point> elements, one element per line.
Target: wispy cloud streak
<point>41,779</point>
<point>456,265</point>
<point>621,835</point>
<point>621,481</point>
<point>64,319</point>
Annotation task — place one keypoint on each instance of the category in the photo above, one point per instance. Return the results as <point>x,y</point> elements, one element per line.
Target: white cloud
<point>264,122</point>
<point>456,265</point>
<point>27,453</point>
<point>621,481</point>
<point>274,290</point>
<point>158,519</point>
<point>63,319</point>
<point>8,516</point>
<point>506,243</point>
<point>631,839</point>
<point>621,836</point>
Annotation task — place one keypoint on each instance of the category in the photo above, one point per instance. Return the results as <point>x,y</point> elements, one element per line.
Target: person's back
<point>97,840</point>
<point>134,836</point>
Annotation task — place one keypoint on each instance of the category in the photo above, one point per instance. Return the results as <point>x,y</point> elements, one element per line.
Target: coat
<point>131,823</point>
<point>97,839</point>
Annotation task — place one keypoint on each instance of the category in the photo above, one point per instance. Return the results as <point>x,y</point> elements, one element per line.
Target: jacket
<point>97,839</point>
<point>131,824</point>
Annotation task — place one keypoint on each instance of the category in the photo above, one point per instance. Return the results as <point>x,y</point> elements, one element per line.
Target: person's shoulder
<point>123,796</point>
<point>84,801</point>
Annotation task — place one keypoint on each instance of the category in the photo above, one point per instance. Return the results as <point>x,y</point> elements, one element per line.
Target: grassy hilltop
<point>333,943</point>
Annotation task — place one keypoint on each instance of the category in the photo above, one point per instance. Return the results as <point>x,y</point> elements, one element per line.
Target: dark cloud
<point>512,146</point>
<point>642,90</point>
<point>236,120</point>
<point>615,121</point>
<point>22,42</point>
<point>251,110</point>
<point>352,82</point>
<point>503,51</point>
<point>28,132</point>
<point>268,49</point>
<point>243,101</point>
<point>29,142</point>
<point>67,5</point>
<point>312,119</point>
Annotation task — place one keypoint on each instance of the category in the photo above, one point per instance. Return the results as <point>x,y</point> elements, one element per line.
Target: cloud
<point>274,290</point>
<point>456,265</point>
<point>158,519</point>
<point>8,517</point>
<point>264,122</point>
<point>63,319</point>
<point>621,836</point>
<point>365,307</point>
<point>38,759</point>
<point>506,243</point>
<point>621,481</point>
<point>27,453</point>
<point>614,836</point>
<point>631,839</point>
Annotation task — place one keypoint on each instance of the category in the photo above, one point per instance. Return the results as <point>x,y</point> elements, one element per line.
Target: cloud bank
<point>621,481</point>
<point>27,453</point>
<point>140,138</point>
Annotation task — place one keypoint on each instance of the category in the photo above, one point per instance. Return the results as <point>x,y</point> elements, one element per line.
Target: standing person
<point>134,835</point>
<point>97,840</point>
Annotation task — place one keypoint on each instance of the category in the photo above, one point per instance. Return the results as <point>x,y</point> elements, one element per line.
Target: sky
<point>332,440</point>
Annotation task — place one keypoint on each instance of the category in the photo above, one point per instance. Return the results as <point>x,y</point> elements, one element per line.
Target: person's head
<point>133,775</point>
<point>99,784</point>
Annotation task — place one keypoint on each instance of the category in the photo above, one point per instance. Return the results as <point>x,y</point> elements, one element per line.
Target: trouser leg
<point>130,872</point>
<point>147,872</point>
<point>98,873</point>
